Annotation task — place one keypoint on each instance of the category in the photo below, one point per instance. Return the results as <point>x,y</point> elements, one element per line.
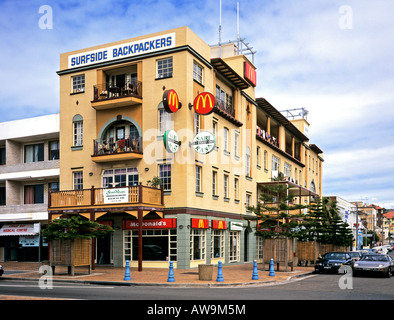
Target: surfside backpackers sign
<point>120,51</point>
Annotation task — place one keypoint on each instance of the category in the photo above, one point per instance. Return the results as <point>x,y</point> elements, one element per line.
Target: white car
<point>380,249</point>
<point>389,247</point>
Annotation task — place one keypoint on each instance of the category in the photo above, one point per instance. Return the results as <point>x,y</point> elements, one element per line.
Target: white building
<point>29,166</point>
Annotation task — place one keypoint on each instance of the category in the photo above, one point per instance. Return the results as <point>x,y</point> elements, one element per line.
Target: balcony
<point>104,198</point>
<point>107,96</point>
<point>129,148</point>
<point>227,111</point>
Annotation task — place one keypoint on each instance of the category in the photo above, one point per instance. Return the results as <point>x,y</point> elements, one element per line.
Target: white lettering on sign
<point>122,51</point>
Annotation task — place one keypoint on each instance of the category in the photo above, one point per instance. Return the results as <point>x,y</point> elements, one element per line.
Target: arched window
<point>78,130</point>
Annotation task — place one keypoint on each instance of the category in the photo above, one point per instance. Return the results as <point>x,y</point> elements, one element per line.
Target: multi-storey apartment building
<point>169,106</point>
<point>29,166</point>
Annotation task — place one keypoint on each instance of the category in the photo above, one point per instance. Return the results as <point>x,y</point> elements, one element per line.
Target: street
<point>312,287</point>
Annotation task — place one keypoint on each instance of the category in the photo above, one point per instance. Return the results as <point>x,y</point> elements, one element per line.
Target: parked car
<point>332,261</point>
<point>1,270</point>
<point>374,263</point>
<point>355,255</point>
<point>380,249</point>
<point>389,247</point>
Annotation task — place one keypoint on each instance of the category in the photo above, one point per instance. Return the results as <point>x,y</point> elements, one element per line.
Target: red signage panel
<point>200,223</point>
<point>250,74</point>
<point>150,224</point>
<point>219,224</point>
<point>204,103</point>
<point>170,101</point>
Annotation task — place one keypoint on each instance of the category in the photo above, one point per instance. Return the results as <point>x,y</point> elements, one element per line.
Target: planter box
<point>71,253</point>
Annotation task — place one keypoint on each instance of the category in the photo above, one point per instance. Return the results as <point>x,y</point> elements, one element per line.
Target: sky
<point>333,57</point>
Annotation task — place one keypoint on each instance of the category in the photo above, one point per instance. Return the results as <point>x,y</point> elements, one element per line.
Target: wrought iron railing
<point>110,146</point>
<point>108,91</point>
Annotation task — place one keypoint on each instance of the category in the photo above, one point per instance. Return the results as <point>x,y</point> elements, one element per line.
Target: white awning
<point>19,229</point>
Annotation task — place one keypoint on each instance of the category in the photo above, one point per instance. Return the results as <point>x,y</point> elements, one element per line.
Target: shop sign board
<point>171,101</point>
<point>19,229</point>
<point>116,195</point>
<point>204,103</point>
<point>219,224</point>
<point>29,241</point>
<point>150,224</point>
<point>171,141</point>
<point>204,142</point>
<point>121,51</point>
<point>200,223</point>
<point>236,226</point>
<point>250,74</point>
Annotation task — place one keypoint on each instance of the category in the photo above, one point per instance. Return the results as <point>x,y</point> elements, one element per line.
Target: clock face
<point>204,142</point>
<point>171,141</point>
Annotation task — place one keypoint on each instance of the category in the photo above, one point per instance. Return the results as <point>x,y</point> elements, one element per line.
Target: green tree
<point>73,228</point>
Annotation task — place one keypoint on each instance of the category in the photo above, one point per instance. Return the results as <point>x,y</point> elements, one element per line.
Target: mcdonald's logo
<point>219,224</point>
<point>171,101</point>
<point>204,103</point>
<point>200,223</point>
<point>250,74</point>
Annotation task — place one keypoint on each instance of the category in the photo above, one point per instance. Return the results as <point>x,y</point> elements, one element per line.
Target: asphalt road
<point>313,287</point>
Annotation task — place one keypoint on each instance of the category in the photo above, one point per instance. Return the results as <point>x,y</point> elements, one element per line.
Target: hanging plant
<point>75,228</point>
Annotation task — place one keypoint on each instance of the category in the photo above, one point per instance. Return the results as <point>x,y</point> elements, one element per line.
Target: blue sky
<point>332,57</point>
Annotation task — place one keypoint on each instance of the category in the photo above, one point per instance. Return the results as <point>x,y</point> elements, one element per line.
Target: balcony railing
<point>129,144</point>
<point>101,197</point>
<point>108,91</point>
<point>225,107</point>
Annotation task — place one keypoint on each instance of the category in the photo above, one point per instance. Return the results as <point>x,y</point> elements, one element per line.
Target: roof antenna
<point>220,30</point>
<point>238,28</point>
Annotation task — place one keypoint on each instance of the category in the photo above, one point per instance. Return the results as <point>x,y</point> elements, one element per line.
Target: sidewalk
<point>234,275</point>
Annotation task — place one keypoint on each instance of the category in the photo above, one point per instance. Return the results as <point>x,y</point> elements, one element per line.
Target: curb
<point>172,284</point>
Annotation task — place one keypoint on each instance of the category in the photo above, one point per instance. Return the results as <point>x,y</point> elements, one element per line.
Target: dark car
<point>373,264</point>
<point>356,255</point>
<point>333,261</point>
<point>1,270</point>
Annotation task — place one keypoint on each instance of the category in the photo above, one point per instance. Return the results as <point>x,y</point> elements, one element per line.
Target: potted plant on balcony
<point>155,182</point>
<point>70,241</point>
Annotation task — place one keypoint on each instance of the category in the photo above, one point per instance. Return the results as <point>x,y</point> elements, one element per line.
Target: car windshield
<point>374,258</point>
<point>354,254</point>
<point>335,255</point>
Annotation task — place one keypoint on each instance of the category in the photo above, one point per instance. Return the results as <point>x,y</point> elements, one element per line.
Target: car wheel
<point>389,273</point>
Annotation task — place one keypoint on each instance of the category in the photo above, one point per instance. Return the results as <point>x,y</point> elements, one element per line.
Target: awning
<point>20,229</point>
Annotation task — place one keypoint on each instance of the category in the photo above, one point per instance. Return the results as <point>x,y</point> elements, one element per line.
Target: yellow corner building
<point>129,115</point>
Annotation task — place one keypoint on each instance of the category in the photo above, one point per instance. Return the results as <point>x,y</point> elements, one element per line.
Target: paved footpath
<point>239,275</point>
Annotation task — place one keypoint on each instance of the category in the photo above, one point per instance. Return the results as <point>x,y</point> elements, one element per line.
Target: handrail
<point>109,91</point>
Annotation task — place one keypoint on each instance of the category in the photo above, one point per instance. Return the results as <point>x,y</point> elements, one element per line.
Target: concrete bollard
<point>220,273</point>
<point>171,277</point>
<point>272,271</point>
<point>127,272</point>
<point>255,275</point>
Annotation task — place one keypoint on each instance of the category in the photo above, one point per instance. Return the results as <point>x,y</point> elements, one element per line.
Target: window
<point>287,170</point>
<point>34,153</point>
<point>215,128</point>
<point>197,123</point>
<point>236,144</point>
<point>78,180</point>
<point>2,196</point>
<point>236,189</point>
<point>120,177</point>
<point>164,68</point>
<point>247,166</point>
<point>224,100</point>
<point>234,248</point>
<point>54,150</point>
<point>258,153</point>
<point>2,156</point>
<point>217,250</point>
<point>54,186</point>
<point>214,183</point>
<point>265,160</point>
<point>275,163</point>
<point>225,140</point>
<point>197,72</point>
<point>225,185</point>
<point>165,176</point>
<point>164,121</point>
<point>78,83</point>
<point>78,130</point>
<point>197,244</point>
<point>198,178</point>
<point>248,200</point>
<point>34,194</point>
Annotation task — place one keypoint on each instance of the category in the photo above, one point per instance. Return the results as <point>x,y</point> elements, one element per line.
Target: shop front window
<point>235,238</point>
<point>217,244</point>
<point>197,244</point>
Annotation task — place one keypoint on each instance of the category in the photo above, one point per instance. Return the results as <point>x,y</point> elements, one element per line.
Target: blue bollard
<point>272,271</point>
<point>171,277</point>
<point>220,273</point>
<point>255,275</point>
<point>127,272</point>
